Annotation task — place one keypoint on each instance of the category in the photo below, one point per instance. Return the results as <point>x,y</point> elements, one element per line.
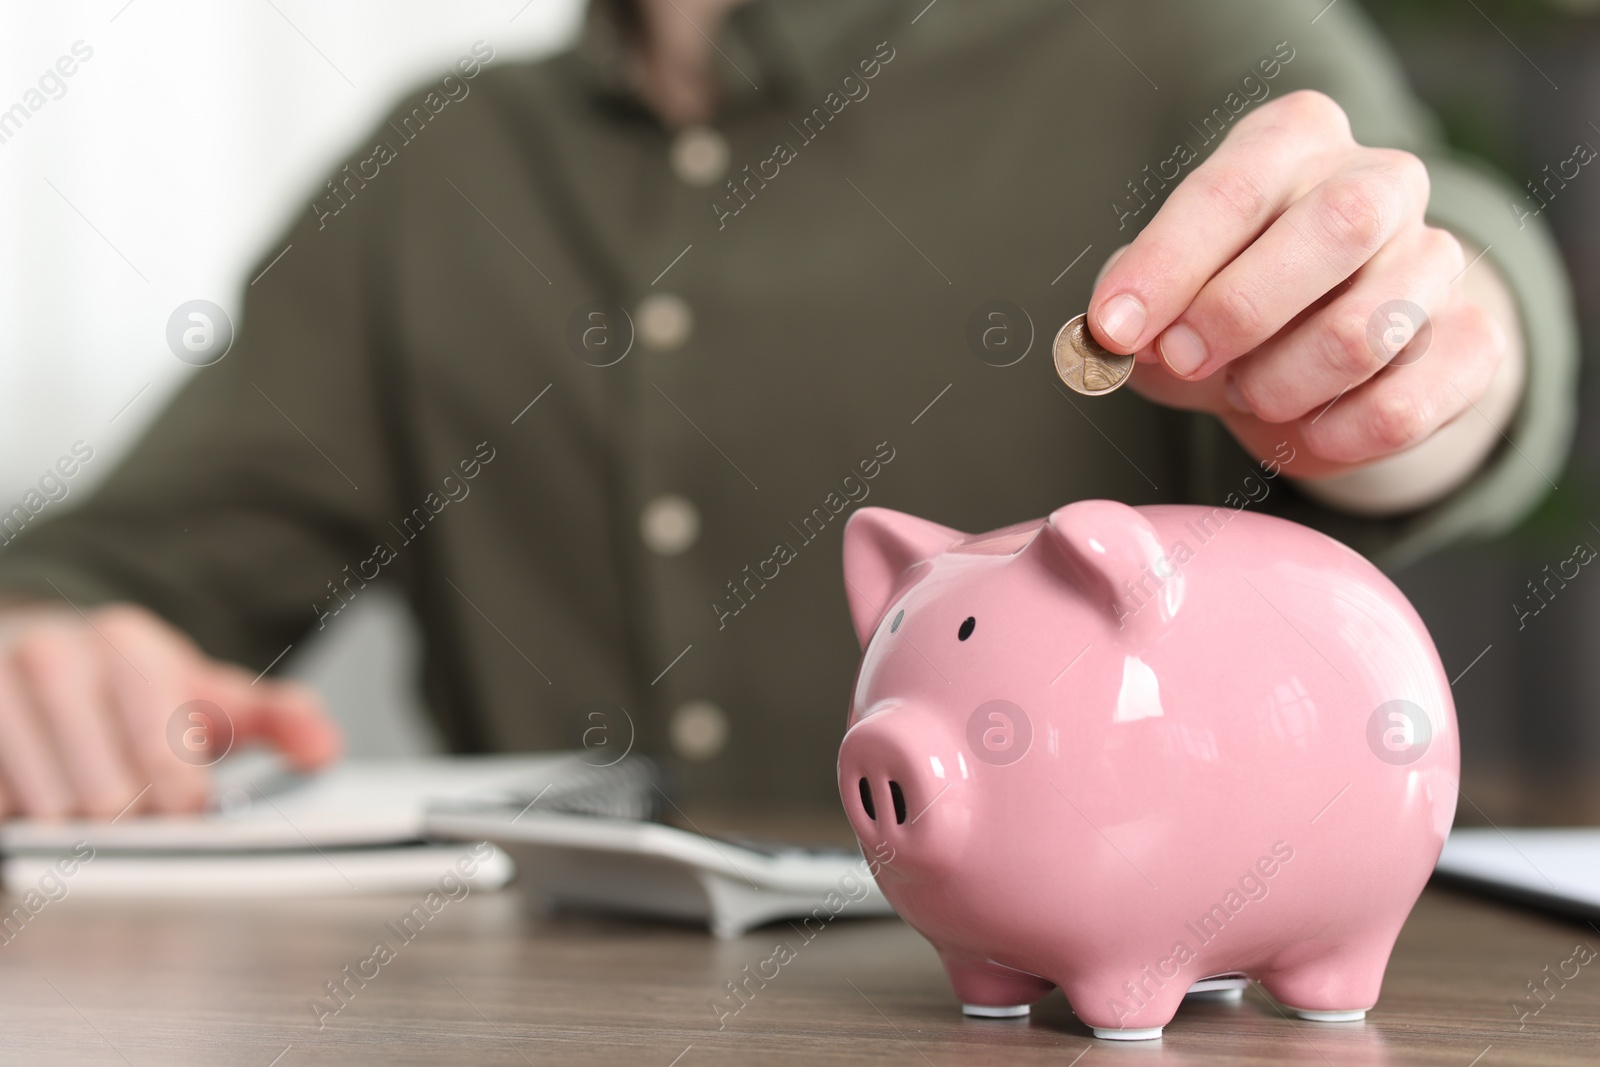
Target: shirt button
<point>664,321</point>
<point>699,730</point>
<point>699,156</point>
<point>669,525</point>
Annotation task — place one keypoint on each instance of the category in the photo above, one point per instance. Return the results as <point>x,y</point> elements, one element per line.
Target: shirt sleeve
<point>1338,51</point>
<point>267,478</point>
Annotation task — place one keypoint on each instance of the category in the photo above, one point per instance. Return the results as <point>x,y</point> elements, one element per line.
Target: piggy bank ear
<point>879,546</point>
<point>1113,549</point>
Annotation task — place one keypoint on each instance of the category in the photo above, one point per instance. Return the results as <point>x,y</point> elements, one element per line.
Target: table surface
<point>491,980</point>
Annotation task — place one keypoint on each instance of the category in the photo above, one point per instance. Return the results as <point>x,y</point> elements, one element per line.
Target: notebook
<point>356,803</point>
<point>357,828</point>
<point>330,872</point>
<point>1558,869</point>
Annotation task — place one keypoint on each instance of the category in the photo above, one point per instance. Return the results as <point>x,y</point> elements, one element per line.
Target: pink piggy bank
<point>1139,752</point>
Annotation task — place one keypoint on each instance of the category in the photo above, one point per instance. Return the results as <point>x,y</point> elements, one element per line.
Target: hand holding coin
<point>1292,285</point>
<point>1084,365</point>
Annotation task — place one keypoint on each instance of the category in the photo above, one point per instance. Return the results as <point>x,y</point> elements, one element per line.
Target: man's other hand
<point>87,708</point>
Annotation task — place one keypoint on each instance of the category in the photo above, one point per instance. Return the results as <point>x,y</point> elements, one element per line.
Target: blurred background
<point>1517,82</point>
<point>177,153</point>
<point>170,162</point>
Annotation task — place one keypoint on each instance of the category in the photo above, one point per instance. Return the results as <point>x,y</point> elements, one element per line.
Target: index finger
<point>1212,216</point>
<point>288,715</point>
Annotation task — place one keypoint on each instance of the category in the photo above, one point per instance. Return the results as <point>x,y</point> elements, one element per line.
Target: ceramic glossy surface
<point>1124,749</point>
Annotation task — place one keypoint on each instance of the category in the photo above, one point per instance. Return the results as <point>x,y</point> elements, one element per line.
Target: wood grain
<point>489,980</point>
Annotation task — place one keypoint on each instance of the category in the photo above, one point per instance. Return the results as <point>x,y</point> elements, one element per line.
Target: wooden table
<point>488,980</point>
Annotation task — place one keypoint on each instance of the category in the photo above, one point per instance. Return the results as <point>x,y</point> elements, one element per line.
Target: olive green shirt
<point>780,351</point>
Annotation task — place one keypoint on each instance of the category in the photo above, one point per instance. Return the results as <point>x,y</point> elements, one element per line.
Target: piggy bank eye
<point>967,628</point>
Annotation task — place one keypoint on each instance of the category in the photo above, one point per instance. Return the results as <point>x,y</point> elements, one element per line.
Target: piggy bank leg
<point>1118,1009</point>
<point>1337,987</point>
<point>989,991</point>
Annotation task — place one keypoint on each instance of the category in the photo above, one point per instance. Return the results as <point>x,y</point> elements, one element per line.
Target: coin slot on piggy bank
<point>1128,753</point>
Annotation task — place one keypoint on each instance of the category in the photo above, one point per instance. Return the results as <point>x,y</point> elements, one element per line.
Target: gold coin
<point>1084,365</point>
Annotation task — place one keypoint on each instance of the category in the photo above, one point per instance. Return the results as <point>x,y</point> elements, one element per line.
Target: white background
<point>189,140</point>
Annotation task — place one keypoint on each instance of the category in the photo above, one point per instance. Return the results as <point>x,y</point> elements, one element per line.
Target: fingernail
<point>1122,320</point>
<point>1182,350</point>
<point>1235,397</point>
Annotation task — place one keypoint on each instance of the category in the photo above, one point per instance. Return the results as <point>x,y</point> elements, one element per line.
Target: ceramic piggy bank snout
<point>901,760</point>
<point>1139,753</point>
